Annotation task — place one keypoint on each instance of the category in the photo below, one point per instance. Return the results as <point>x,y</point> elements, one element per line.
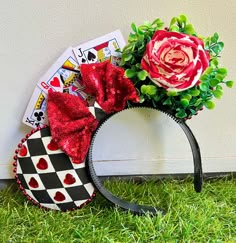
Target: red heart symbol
<point>59,197</point>
<point>55,82</point>
<point>74,88</point>
<point>69,179</point>
<point>23,151</point>
<point>52,145</point>
<point>42,164</point>
<point>33,183</point>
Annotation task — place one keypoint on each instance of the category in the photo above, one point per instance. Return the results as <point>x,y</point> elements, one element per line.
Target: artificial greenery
<point>182,104</point>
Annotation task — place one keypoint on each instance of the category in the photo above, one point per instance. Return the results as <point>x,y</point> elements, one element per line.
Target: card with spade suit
<point>63,73</point>
<point>100,49</point>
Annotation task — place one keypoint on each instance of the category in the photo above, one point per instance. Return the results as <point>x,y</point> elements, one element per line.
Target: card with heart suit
<point>57,77</point>
<point>100,49</point>
<point>63,73</point>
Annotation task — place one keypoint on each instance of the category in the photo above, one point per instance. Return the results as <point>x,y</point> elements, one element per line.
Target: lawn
<point>209,216</point>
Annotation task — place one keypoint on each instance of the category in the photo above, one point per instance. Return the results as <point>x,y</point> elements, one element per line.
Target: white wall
<point>34,33</point>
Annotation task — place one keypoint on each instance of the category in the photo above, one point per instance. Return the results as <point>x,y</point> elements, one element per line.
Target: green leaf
<point>214,62</point>
<point>167,101</point>
<point>193,112</point>
<point>143,27</point>
<point>184,102</point>
<point>142,75</point>
<point>127,57</point>
<point>132,37</point>
<point>183,18</point>
<point>181,114</point>
<point>172,93</point>
<point>215,38</point>
<point>220,76</point>
<point>222,71</point>
<point>230,84</point>
<point>128,47</point>
<point>129,73</point>
<point>209,104</point>
<point>203,86</point>
<point>204,77</point>
<point>186,96</point>
<point>208,71</point>
<point>213,82</point>
<point>217,93</point>
<point>198,102</point>
<point>140,32</point>
<point>194,92</point>
<point>173,21</point>
<point>217,48</point>
<point>219,87</point>
<point>133,27</point>
<point>206,43</point>
<point>174,28</point>
<point>147,23</point>
<point>148,89</point>
<point>158,23</point>
<point>189,29</point>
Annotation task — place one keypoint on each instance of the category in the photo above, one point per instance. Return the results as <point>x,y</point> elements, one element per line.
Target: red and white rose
<point>175,61</point>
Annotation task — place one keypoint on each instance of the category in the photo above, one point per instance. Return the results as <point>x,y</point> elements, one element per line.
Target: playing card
<point>64,75</point>
<point>61,74</point>
<point>35,114</point>
<point>100,49</point>
<point>57,77</point>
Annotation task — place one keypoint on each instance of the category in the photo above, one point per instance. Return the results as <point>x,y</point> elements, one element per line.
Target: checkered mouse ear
<point>48,177</point>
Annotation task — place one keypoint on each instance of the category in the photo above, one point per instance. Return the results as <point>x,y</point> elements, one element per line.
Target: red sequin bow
<point>70,120</point>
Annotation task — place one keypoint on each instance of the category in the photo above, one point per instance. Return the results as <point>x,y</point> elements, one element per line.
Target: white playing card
<point>60,74</point>
<point>100,49</point>
<point>35,114</point>
<point>57,77</point>
<point>63,75</point>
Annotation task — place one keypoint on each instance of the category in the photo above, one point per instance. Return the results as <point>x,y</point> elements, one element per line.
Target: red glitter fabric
<point>109,85</point>
<point>71,124</point>
<point>70,120</point>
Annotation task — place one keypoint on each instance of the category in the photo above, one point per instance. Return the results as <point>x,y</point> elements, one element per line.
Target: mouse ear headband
<point>171,70</point>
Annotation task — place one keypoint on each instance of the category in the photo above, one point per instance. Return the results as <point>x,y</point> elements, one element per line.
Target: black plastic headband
<point>141,209</point>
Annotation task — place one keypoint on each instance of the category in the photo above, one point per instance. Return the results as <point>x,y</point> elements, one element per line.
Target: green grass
<point>209,216</point>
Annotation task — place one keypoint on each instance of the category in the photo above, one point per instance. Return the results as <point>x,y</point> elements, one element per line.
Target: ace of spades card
<point>100,49</point>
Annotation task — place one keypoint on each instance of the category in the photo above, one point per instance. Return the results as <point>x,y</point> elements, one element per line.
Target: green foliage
<point>182,104</point>
<point>180,24</point>
<point>213,45</point>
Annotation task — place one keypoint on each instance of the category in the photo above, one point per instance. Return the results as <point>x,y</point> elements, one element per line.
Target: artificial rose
<point>175,61</point>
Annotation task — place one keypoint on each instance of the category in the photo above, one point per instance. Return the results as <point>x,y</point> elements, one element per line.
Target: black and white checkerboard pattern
<point>51,188</point>
<point>97,111</point>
